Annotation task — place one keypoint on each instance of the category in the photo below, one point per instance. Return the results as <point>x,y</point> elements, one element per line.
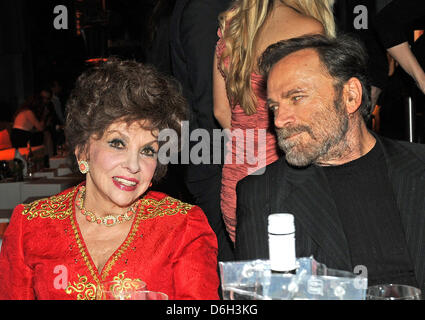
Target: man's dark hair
<point>343,57</point>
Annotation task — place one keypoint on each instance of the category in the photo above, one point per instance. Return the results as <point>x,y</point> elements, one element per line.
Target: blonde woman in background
<point>246,30</point>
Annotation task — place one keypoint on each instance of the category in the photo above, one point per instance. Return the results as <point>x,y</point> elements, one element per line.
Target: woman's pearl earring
<point>83,166</point>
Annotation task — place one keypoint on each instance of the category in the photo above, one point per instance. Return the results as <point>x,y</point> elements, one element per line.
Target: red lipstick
<point>123,186</point>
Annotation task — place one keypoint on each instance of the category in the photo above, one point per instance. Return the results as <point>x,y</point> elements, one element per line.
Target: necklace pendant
<point>110,220</point>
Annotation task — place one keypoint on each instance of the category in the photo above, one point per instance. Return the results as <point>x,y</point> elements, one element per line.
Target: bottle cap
<point>281,223</point>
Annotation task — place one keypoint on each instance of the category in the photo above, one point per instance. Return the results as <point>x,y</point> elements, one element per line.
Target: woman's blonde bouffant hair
<point>240,26</point>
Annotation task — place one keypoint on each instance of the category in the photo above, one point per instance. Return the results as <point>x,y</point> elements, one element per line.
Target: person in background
<point>55,119</point>
<point>158,54</point>
<point>362,24</point>
<point>50,121</point>
<point>193,38</point>
<point>246,29</point>
<point>56,90</point>
<point>58,135</point>
<point>387,29</point>
<point>391,25</point>
<point>357,198</point>
<point>395,25</point>
<point>112,227</point>
<point>29,123</point>
<point>158,29</point>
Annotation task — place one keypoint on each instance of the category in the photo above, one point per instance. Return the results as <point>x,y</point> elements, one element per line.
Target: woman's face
<point>122,164</point>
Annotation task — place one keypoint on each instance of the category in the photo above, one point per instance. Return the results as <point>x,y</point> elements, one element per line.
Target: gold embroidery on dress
<point>125,245</point>
<point>148,208</point>
<point>85,289</point>
<point>167,206</point>
<point>81,247</point>
<point>120,284</point>
<point>89,291</point>
<point>55,207</point>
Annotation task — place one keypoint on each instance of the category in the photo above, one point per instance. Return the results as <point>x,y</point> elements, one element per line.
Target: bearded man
<point>357,198</point>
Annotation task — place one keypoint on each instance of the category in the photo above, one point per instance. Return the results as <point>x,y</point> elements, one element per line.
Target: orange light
<point>96,60</point>
<point>417,34</point>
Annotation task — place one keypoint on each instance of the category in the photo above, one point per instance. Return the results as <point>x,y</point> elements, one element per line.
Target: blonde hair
<point>239,27</point>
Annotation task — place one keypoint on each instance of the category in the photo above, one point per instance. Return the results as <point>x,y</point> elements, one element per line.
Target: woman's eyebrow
<point>122,135</point>
<point>151,143</point>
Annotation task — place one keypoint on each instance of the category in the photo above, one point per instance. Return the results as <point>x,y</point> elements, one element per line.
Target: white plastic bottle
<point>281,230</point>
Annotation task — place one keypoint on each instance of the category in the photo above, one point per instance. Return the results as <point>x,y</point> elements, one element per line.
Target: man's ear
<point>352,95</point>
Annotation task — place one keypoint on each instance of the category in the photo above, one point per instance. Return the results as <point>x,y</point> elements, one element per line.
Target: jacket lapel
<point>407,175</point>
<point>306,194</point>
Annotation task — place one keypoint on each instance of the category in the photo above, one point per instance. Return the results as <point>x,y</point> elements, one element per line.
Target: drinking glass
<point>150,295</point>
<point>3,170</point>
<point>393,292</point>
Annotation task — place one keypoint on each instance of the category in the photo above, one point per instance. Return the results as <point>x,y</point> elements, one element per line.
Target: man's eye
<point>116,143</point>
<point>297,98</point>
<point>273,107</point>
<point>148,151</point>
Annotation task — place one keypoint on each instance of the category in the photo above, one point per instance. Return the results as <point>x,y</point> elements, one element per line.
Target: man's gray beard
<point>316,151</point>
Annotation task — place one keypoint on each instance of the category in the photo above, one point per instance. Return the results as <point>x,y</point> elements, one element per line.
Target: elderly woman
<point>111,227</point>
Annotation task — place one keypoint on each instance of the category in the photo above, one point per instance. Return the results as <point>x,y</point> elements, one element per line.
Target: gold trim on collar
<point>167,206</point>
<point>148,208</point>
<point>54,207</point>
<point>125,245</point>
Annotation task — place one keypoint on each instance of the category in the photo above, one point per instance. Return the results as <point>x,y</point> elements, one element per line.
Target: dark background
<point>32,51</point>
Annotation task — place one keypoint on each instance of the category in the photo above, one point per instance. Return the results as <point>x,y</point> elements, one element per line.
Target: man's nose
<point>283,116</point>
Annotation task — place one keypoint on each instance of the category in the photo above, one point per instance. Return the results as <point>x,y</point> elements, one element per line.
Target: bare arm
<point>409,63</point>
<point>37,124</point>
<point>222,109</point>
<point>390,24</point>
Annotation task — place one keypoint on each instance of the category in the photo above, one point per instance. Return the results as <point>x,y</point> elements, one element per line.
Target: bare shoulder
<point>286,24</point>
<point>297,24</point>
<point>26,112</point>
<point>307,25</point>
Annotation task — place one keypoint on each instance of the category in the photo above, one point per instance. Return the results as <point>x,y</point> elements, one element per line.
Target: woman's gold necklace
<point>108,220</point>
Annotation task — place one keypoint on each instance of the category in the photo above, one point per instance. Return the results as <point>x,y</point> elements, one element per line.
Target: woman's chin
<point>127,201</point>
